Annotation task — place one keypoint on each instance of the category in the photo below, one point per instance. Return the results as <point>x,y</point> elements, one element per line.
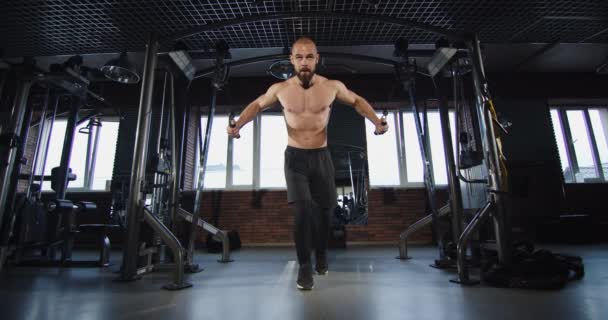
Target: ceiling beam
<point>594,35</point>
<point>520,65</point>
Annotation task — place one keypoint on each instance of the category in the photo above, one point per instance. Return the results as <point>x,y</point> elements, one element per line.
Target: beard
<point>305,75</point>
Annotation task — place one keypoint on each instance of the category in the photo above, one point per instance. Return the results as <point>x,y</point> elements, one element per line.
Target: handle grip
<point>382,121</point>
<point>232,123</point>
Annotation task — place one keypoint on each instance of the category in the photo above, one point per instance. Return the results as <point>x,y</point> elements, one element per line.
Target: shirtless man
<point>309,171</point>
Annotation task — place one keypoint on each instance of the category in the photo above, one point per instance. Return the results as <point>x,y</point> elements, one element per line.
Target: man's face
<point>304,58</point>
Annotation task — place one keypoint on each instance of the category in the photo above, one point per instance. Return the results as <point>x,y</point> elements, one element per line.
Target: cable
<point>501,156</point>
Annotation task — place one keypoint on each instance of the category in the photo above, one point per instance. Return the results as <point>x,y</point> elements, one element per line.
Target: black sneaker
<point>321,263</point>
<point>305,281</point>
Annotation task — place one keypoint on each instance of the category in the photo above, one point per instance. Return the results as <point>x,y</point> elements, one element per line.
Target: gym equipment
<point>468,146</point>
<point>61,222</point>
<point>407,73</point>
<point>496,188</point>
<point>353,207</point>
<point>496,171</point>
<point>9,146</point>
<point>212,244</point>
<point>383,120</point>
<point>136,210</point>
<point>204,151</point>
<point>232,123</point>
<point>163,216</point>
<point>34,230</point>
<point>535,269</point>
<point>45,228</point>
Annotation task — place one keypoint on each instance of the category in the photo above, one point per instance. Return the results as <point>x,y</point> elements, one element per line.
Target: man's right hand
<point>233,132</point>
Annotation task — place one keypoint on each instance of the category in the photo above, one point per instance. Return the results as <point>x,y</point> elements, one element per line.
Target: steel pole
<point>138,168</point>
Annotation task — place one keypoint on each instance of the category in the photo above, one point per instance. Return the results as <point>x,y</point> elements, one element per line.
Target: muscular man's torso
<point>307,111</point>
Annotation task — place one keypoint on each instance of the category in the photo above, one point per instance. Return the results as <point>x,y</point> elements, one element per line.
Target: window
<point>257,158</point>
<point>53,157</point>
<point>273,141</point>
<point>215,173</point>
<point>242,160</point>
<point>382,155</point>
<point>561,145</point>
<point>437,153</point>
<point>104,149</point>
<point>413,158</point>
<point>599,122</point>
<point>580,133</point>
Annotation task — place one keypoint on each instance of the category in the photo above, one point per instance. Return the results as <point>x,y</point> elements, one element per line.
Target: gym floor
<point>363,283</point>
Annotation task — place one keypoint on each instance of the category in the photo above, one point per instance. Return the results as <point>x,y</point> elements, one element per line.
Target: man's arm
<point>258,105</point>
<point>360,104</point>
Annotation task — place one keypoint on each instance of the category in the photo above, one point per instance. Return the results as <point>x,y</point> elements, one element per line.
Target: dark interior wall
<point>530,136</point>
<point>530,144</point>
<point>382,88</point>
<point>587,199</point>
<point>548,85</point>
<point>373,87</point>
<point>538,193</point>
<point>124,145</point>
<point>7,97</point>
<point>535,177</point>
<point>346,135</point>
<point>346,126</point>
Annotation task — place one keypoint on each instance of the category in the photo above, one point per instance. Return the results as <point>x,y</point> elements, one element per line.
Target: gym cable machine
<point>136,210</point>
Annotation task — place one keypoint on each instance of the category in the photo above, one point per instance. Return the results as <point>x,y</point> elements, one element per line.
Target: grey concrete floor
<point>363,283</point>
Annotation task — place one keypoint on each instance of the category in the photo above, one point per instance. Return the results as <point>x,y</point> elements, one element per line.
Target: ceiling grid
<point>52,27</point>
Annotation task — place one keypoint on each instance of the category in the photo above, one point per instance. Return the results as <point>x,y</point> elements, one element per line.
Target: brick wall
<point>263,217</point>
<point>390,212</point>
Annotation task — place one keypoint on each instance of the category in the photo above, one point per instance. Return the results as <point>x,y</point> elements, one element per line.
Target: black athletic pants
<point>311,191</point>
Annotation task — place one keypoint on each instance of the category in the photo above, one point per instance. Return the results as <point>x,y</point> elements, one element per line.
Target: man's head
<point>304,57</point>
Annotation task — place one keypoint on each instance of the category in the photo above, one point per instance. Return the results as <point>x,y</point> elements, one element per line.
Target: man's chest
<point>313,100</point>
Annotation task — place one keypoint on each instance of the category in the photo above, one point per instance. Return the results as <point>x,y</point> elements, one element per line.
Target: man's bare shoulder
<point>336,84</point>
<point>278,86</point>
<point>321,78</point>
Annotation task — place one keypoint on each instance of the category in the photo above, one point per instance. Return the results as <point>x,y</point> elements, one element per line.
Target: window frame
<point>572,161</point>
<point>256,123</point>
<point>230,186</point>
<point>402,150</point>
<point>258,147</point>
<point>89,157</point>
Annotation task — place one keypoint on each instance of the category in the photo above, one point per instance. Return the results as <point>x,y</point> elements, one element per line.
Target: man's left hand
<point>381,126</point>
